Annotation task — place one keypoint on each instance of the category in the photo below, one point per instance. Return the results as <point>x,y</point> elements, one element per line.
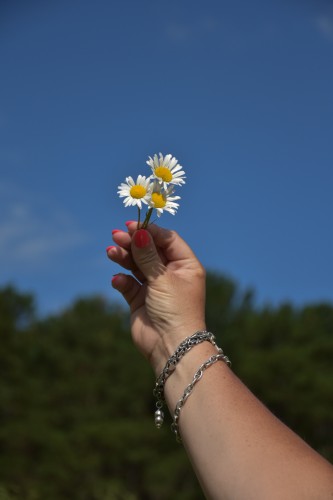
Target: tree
<point>76,403</point>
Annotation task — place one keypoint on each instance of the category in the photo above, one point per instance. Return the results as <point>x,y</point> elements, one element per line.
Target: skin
<point>238,449</point>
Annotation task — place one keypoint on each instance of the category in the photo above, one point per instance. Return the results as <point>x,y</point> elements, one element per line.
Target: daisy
<point>166,170</point>
<point>163,200</point>
<point>135,193</point>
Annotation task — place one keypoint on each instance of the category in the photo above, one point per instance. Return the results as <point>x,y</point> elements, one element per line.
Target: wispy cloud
<point>31,233</point>
<point>324,24</point>
<point>178,32</point>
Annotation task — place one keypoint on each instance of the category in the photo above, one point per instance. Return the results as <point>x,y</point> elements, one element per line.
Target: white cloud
<point>33,233</point>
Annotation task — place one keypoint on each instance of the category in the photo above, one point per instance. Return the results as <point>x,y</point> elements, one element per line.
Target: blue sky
<point>240,92</point>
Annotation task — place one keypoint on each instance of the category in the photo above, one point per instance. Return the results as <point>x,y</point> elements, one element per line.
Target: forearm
<point>239,450</point>
<point>237,447</point>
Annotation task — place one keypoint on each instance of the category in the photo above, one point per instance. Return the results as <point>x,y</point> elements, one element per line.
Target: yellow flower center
<point>158,200</point>
<point>164,173</point>
<point>138,191</point>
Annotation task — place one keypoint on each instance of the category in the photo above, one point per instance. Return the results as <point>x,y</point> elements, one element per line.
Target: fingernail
<point>129,222</point>
<point>141,238</point>
<point>116,231</point>
<point>114,279</point>
<point>109,248</point>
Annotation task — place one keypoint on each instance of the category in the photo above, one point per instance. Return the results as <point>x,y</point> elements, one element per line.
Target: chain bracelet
<point>185,346</point>
<point>213,359</point>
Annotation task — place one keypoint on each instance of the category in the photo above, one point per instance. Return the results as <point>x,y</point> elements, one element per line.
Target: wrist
<point>168,345</point>
<point>196,350</point>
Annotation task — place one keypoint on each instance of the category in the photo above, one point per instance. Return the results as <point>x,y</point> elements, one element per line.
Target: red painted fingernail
<point>129,222</point>
<point>141,238</point>
<point>114,279</point>
<point>108,248</point>
<point>116,231</point>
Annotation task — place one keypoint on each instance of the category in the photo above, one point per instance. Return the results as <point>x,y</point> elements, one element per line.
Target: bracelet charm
<point>185,346</point>
<point>159,418</point>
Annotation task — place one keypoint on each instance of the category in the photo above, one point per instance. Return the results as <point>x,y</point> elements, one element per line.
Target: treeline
<point>76,404</point>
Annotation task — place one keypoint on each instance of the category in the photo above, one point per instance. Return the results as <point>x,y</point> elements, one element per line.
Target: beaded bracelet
<point>197,376</point>
<point>185,346</point>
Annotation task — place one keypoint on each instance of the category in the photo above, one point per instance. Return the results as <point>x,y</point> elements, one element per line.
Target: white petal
<point>167,159</point>
<point>177,168</point>
<point>173,162</point>
<point>177,182</point>
<point>150,162</point>
<point>130,181</point>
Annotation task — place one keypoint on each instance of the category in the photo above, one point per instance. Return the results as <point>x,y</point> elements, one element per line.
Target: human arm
<point>237,447</point>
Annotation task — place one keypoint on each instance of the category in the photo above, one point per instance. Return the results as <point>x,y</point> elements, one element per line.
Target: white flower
<point>166,170</point>
<point>135,193</point>
<point>162,199</point>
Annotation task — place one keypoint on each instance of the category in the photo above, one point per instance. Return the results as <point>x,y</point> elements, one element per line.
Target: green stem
<point>139,217</point>
<point>146,221</point>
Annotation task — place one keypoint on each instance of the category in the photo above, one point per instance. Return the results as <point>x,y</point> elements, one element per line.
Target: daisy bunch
<point>156,191</point>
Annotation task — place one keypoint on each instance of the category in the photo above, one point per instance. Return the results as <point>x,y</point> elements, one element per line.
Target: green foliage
<point>76,405</point>
<point>76,411</point>
<point>283,355</point>
<point>16,310</point>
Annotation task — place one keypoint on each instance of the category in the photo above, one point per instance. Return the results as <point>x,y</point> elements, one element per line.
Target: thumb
<point>146,256</point>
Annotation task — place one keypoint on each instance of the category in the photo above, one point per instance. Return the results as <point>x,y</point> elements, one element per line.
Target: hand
<point>167,300</point>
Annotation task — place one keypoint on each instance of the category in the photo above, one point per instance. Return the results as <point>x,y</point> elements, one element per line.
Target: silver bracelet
<point>185,346</point>
<point>213,359</point>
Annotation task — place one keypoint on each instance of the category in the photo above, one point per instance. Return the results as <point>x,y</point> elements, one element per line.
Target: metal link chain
<point>185,346</point>
<point>181,350</point>
<point>213,359</point>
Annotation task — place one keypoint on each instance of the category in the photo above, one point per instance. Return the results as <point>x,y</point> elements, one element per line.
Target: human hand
<point>166,295</point>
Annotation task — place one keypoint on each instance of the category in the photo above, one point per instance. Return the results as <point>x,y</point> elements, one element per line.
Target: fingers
<point>121,238</point>
<point>130,290</point>
<point>146,255</point>
<point>124,258</point>
<point>147,252</point>
<point>173,247</point>
<point>120,256</point>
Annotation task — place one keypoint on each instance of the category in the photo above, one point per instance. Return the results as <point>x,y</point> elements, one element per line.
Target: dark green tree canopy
<point>76,404</point>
